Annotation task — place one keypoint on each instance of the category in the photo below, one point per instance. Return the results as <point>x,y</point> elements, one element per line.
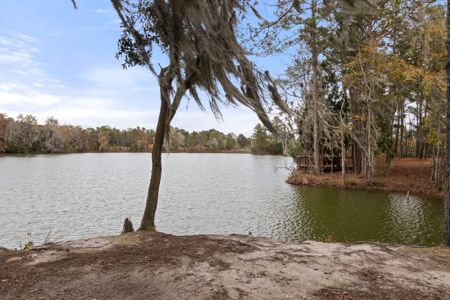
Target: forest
<point>24,135</point>
<point>367,80</point>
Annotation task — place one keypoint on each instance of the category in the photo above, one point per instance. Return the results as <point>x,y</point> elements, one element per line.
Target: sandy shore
<point>160,266</point>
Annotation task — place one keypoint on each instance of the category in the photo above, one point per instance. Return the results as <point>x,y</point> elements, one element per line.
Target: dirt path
<point>160,266</point>
<point>406,175</point>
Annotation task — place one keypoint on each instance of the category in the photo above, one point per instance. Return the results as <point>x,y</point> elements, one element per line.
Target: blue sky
<point>60,62</point>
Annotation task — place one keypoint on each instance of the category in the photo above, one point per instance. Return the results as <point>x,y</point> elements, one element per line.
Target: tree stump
<point>127,226</point>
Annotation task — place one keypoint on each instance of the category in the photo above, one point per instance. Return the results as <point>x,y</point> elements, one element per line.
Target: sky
<point>59,62</point>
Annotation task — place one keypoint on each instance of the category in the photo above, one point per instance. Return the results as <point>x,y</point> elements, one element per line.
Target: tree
<point>202,51</point>
<point>315,84</point>
<point>4,120</point>
<point>243,141</point>
<point>301,18</point>
<point>103,138</point>
<point>447,170</point>
<point>230,141</point>
<point>264,142</point>
<point>50,137</point>
<point>25,133</point>
<point>260,138</point>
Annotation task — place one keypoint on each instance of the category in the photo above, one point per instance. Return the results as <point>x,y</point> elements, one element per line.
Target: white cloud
<point>28,99</point>
<point>38,84</point>
<point>94,112</point>
<point>27,38</point>
<point>116,78</point>
<point>19,56</point>
<point>100,101</point>
<point>17,53</point>
<point>8,87</point>
<point>89,109</point>
<point>237,120</point>
<point>71,108</point>
<point>100,11</point>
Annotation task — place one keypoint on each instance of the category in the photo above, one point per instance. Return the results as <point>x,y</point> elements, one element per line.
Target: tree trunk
<point>447,162</point>
<point>392,150</point>
<point>437,159</point>
<point>148,219</point>
<point>356,107</point>
<point>369,156</point>
<point>397,132</point>
<point>434,163</point>
<point>343,166</point>
<point>316,145</point>
<point>419,121</point>
<point>315,89</point>
<point>357,155</point>
<point>402,130</point>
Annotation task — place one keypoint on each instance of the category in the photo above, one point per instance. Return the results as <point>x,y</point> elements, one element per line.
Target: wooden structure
<point>326,165</point>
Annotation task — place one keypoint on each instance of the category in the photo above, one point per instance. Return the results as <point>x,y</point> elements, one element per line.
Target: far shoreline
<point>407,176</point>
<point>136,152</point>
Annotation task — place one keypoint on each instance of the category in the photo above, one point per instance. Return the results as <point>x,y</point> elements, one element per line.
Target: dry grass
<point>406,175</point>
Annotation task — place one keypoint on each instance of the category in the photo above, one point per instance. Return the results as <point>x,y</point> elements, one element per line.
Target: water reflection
<point>410,216</point>
<point>343,215</point>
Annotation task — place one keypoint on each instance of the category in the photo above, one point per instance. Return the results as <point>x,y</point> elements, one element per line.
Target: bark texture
<point>148,219</point>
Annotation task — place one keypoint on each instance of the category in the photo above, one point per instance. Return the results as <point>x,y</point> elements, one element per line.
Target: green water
<point>349,216</point>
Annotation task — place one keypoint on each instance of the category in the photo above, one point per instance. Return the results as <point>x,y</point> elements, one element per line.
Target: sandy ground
<point>160,266</point>
<point>406,175</point>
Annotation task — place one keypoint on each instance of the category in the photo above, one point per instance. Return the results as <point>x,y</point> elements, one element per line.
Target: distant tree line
<point>25,135</point>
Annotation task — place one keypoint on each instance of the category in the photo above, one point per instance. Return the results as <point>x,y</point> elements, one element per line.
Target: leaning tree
<point>204,61</point>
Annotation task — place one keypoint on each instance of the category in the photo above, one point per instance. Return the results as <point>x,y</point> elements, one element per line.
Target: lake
<point>71,196</point>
